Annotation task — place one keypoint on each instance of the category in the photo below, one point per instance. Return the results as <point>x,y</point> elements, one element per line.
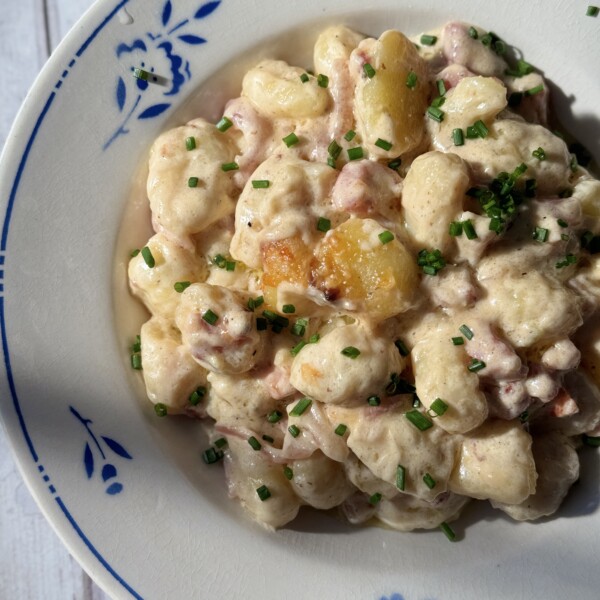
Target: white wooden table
<point>34,564</point>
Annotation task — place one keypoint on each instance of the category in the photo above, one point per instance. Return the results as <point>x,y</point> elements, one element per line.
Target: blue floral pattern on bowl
<point>97,450</point>
<point>161,55</point>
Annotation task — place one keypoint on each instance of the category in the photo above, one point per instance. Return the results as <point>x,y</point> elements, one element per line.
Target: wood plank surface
<point>34,565</point>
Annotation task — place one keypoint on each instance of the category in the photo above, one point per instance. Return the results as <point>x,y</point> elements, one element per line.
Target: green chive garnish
<point>418,419</point>
<point>294,430</point>
<point>428,40</point>
<point>299,327</point>
<point>534,90</point>
<point>404,351</point>
<point>369,70</point>
<point>260,183</point>
<point>197,395</point>
<point>230,265</point>
<point>385,237</point>
<point>288,309</point>
<point>458,137</point>
<point>438,407</point>
<point>539,153</point>
<point>433,112</point>
<point>540,234</point>
<point>137,345</point>
<point>340,429</point>
<point>261,324</point>
<point>322,80</point>
<point>256,445</point>
<point>193,182</point>
<point>231,166</point>
<point>334,149</point>
<point>160,409</point>
<point>441,87</point>
<point>349,135</point>
<point>429,481</point>
<point>290,139</point>
<point>351,352</point>
<point>296,349</point>
<point>411,80</point>
<point>210,317</point>
<point>375,498</point>
<point>458,341</point>
<point>592,11</point>
<point>466,331</point>
<point>448,531</point>
<point>383,144</point>
<point>304,77</point>
<point>323,224</point>
<point>211,456</point>
<point>148,258</point>
<point>590,440</point>
<point>469,229</point>
<point>134,252</point>
<point>314,338</point>
<point>288,473</point>
<point>263,492</point>
<point>476,365</point>
<point>301,407</point>
<point>190,143</point>
<point>473,33</point>
<point>373,401</point>
<point>136,361</point>
<point>224,124</point>
<point>481,129</point>
<point>355,153</point>
<point>455,229</point>
<point>268,439</point>
<point>562,223</point>
<point>221,442</point>
<point>274,416</point>
<point>394,164</point>
<point>400,477</point>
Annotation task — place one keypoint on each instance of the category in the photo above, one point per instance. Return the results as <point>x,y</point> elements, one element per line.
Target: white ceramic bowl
<point>127,492</point>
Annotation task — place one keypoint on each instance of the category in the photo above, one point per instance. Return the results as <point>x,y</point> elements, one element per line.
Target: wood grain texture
<point>34,564</point>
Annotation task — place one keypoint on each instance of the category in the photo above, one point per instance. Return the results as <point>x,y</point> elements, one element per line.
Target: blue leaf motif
<point>125,49</point>
<point>88,460</point>
<point>121,93</point>
<point>166,14</point>
<point>153,111</point>
<point>114,488</point>
<point>116,447</point>
<point>206,9</point>
<point>192,39</point>
<point>108,472</point>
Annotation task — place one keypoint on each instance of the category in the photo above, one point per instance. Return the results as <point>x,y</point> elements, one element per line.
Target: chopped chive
<point>261,324</point>
<point>230,265</point>
<point>590,440</point>
<point>486,39</point>
<point>540,234</point>
<point>268,439</point>
<point>480,127</point>
<point>411,80</point>
<point>472,132</point>
<point>455,229</point>
<point>275,416</point>
<point>394,164</point>
<point>539,153</point>
<point>148,258</point>
<point>383,144</point>
<point>224,124</point>
<point>340,429</point>
<point>220,261</point>
<point>263,492</point>
<point>288,309</point>
<point>429,481</point>
<point>304,77</point>
<point>296,349</point>
<point>404,351</point>
<point>573,164</point>
<point>275,318</point>
<point>323,224</point>
<point>375,498</point>
<point>570,259</point>
<point>349,135</point>
<point>254,443</point>
<point>197,395</point>
<point>476,365</point>
<point>288,473</point>
<point>314,338</point>
<point>448,531</point>
<point>562,223</point>
<point>301,407</point>
<point>260,183</point>
<point>435,113</point>
<point>373,400</point>
<point>418,419</point>
<point>499,47</point>
<point>137,345</point>
<point>331,162</point>
<point>458,341</point>
<point>351,352</point>
<point>160,409</point>
<point>401,477</point>
<point>438,406</point>
<point>231,166</point>
<point>466,331</point>
<point>136,361</point>
<point>299,327</point>
<point>334,149</point>
<point>193,182</point>
<point>254,303</point>
<point>564,237</point>
<point>496,225</point>
<point>469,229</point>
<point>458,137</point>
<point>534,90</point>
<point>592,11</point>
<point>322,80</point>
<point>190,143</point>
<point>141,74</point>
<point>290,139</point>
<point>473,33</point>
<point>428,40</point>
<point>294,430</point>
<point>210,317</point>
<point>134,252</point>
<point>439,101</point>
<point>385,237</point>
<point>369,70</point>
<point>355,153</point>
<point>441,87</point>
<point>211,456</point>
<point>530,188</point>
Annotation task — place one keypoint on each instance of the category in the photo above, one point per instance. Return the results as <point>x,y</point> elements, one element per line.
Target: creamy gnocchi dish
<point>379,281</point>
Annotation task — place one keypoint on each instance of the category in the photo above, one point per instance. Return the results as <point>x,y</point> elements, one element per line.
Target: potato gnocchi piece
<point>297,192</point>
<point>433,194</point>
<point>178,206</point>
<point>171,375</point>
<point>319,482</point>
<point>218,329</point>
<point>384,106</point>
<point>155,285</point>
<point>354,268</point>
<point>276,91</point>
<point>496,463</point>
<point>324,372</point>
<point>247,472</point>
<point>557,465</point>
<point>514,302</point>
<point>440,370</point>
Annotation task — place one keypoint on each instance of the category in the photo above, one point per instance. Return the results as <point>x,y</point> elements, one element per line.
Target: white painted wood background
<point>34,565</point>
